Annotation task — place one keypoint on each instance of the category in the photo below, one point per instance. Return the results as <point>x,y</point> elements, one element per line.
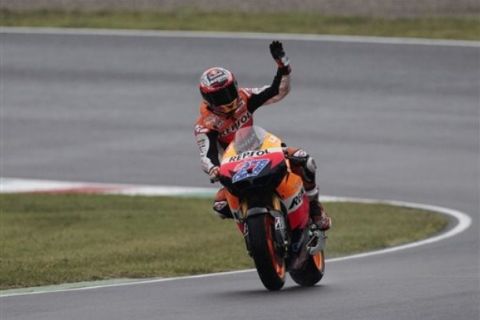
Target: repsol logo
<point>237,124</point>
<point>248,154</point>
<point>297,200</point>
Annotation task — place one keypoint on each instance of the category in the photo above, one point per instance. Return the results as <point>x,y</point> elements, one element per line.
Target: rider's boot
<point>319,216</point>
<point>220,205</point>
<point>317,212</point>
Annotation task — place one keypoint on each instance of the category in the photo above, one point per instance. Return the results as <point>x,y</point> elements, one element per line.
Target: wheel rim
<point>319,261</point>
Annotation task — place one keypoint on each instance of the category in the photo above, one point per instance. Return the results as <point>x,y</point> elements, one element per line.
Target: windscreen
<point>249,138</point>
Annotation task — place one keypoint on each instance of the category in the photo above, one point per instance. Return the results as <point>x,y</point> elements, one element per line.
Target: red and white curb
<point>11,185</point>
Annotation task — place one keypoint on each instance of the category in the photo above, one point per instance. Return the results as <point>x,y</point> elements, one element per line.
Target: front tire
<point>270,265</point>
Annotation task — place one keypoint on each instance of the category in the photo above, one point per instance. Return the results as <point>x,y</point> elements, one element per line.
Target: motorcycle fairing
<point>241,166</point>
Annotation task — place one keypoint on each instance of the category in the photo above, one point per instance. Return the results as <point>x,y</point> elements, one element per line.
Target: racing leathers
<point>213,132</point>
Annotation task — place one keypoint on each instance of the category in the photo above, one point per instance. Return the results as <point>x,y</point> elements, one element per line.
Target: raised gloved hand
<point>214,173</point>
<point>278,54</point>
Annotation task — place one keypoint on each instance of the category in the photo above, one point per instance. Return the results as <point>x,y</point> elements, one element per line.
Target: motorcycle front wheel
<point>270,265</point>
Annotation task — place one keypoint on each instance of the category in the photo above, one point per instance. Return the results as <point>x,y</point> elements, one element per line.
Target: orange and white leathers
<point>213,132</point>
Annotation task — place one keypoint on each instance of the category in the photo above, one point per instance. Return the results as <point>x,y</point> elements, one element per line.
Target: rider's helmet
<point>218,87</point>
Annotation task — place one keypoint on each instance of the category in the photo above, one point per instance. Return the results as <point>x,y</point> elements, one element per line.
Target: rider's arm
<point>273,93</point>
<point>207,143</point>
<point>280,85</point>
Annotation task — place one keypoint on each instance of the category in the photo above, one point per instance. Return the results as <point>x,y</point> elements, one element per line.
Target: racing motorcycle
<point>271,209</point>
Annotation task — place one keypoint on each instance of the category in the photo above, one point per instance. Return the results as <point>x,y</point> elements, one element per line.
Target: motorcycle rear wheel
<point>312,272</point>
<point>270,265</point>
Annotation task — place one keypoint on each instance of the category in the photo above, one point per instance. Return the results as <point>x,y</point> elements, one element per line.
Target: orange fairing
<point>293,196</point>
<point>234,205</point>
<point>233,202</point>
<point>290,186</point>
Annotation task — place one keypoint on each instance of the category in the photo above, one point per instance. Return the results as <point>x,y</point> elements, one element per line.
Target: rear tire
<point>270,265</point>
<point>312,272</point>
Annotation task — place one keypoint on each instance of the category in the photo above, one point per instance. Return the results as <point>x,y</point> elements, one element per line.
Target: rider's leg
<point>304,165</point>
<point>220,205</point>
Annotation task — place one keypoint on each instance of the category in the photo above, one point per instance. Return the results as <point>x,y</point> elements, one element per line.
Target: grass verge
<point>467,28</point>
<point>51,239</point>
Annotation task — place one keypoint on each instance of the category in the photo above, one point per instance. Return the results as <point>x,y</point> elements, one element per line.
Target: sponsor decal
<point>251,168</point>
<point>279,223</point>
<point>248,154</point>
<point>202,145</point>
<point>297,200</point>
<point>237,124</point>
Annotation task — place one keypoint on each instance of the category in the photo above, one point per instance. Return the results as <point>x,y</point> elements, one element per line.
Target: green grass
<point>51,239</point>
<point>425,27</point>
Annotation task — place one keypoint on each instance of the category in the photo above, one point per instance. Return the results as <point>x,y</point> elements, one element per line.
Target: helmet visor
<point>222,97</point>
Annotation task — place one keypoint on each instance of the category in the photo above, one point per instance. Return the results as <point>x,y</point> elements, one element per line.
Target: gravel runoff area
<point>385,8</point>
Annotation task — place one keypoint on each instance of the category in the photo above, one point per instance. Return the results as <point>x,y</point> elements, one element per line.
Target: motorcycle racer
<point>226,108</point>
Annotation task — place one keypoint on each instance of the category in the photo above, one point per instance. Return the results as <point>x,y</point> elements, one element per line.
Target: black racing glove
<point>278,54</point>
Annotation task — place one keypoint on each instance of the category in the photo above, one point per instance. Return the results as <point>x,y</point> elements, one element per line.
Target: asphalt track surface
<point>385,121</point>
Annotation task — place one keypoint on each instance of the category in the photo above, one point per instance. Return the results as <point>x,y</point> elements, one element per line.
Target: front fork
<point>310,242</point>
<point>281,240</point>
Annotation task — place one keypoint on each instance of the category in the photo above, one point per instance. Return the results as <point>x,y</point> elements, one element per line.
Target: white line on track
<point>239,35</point>
<point>9,185</point>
